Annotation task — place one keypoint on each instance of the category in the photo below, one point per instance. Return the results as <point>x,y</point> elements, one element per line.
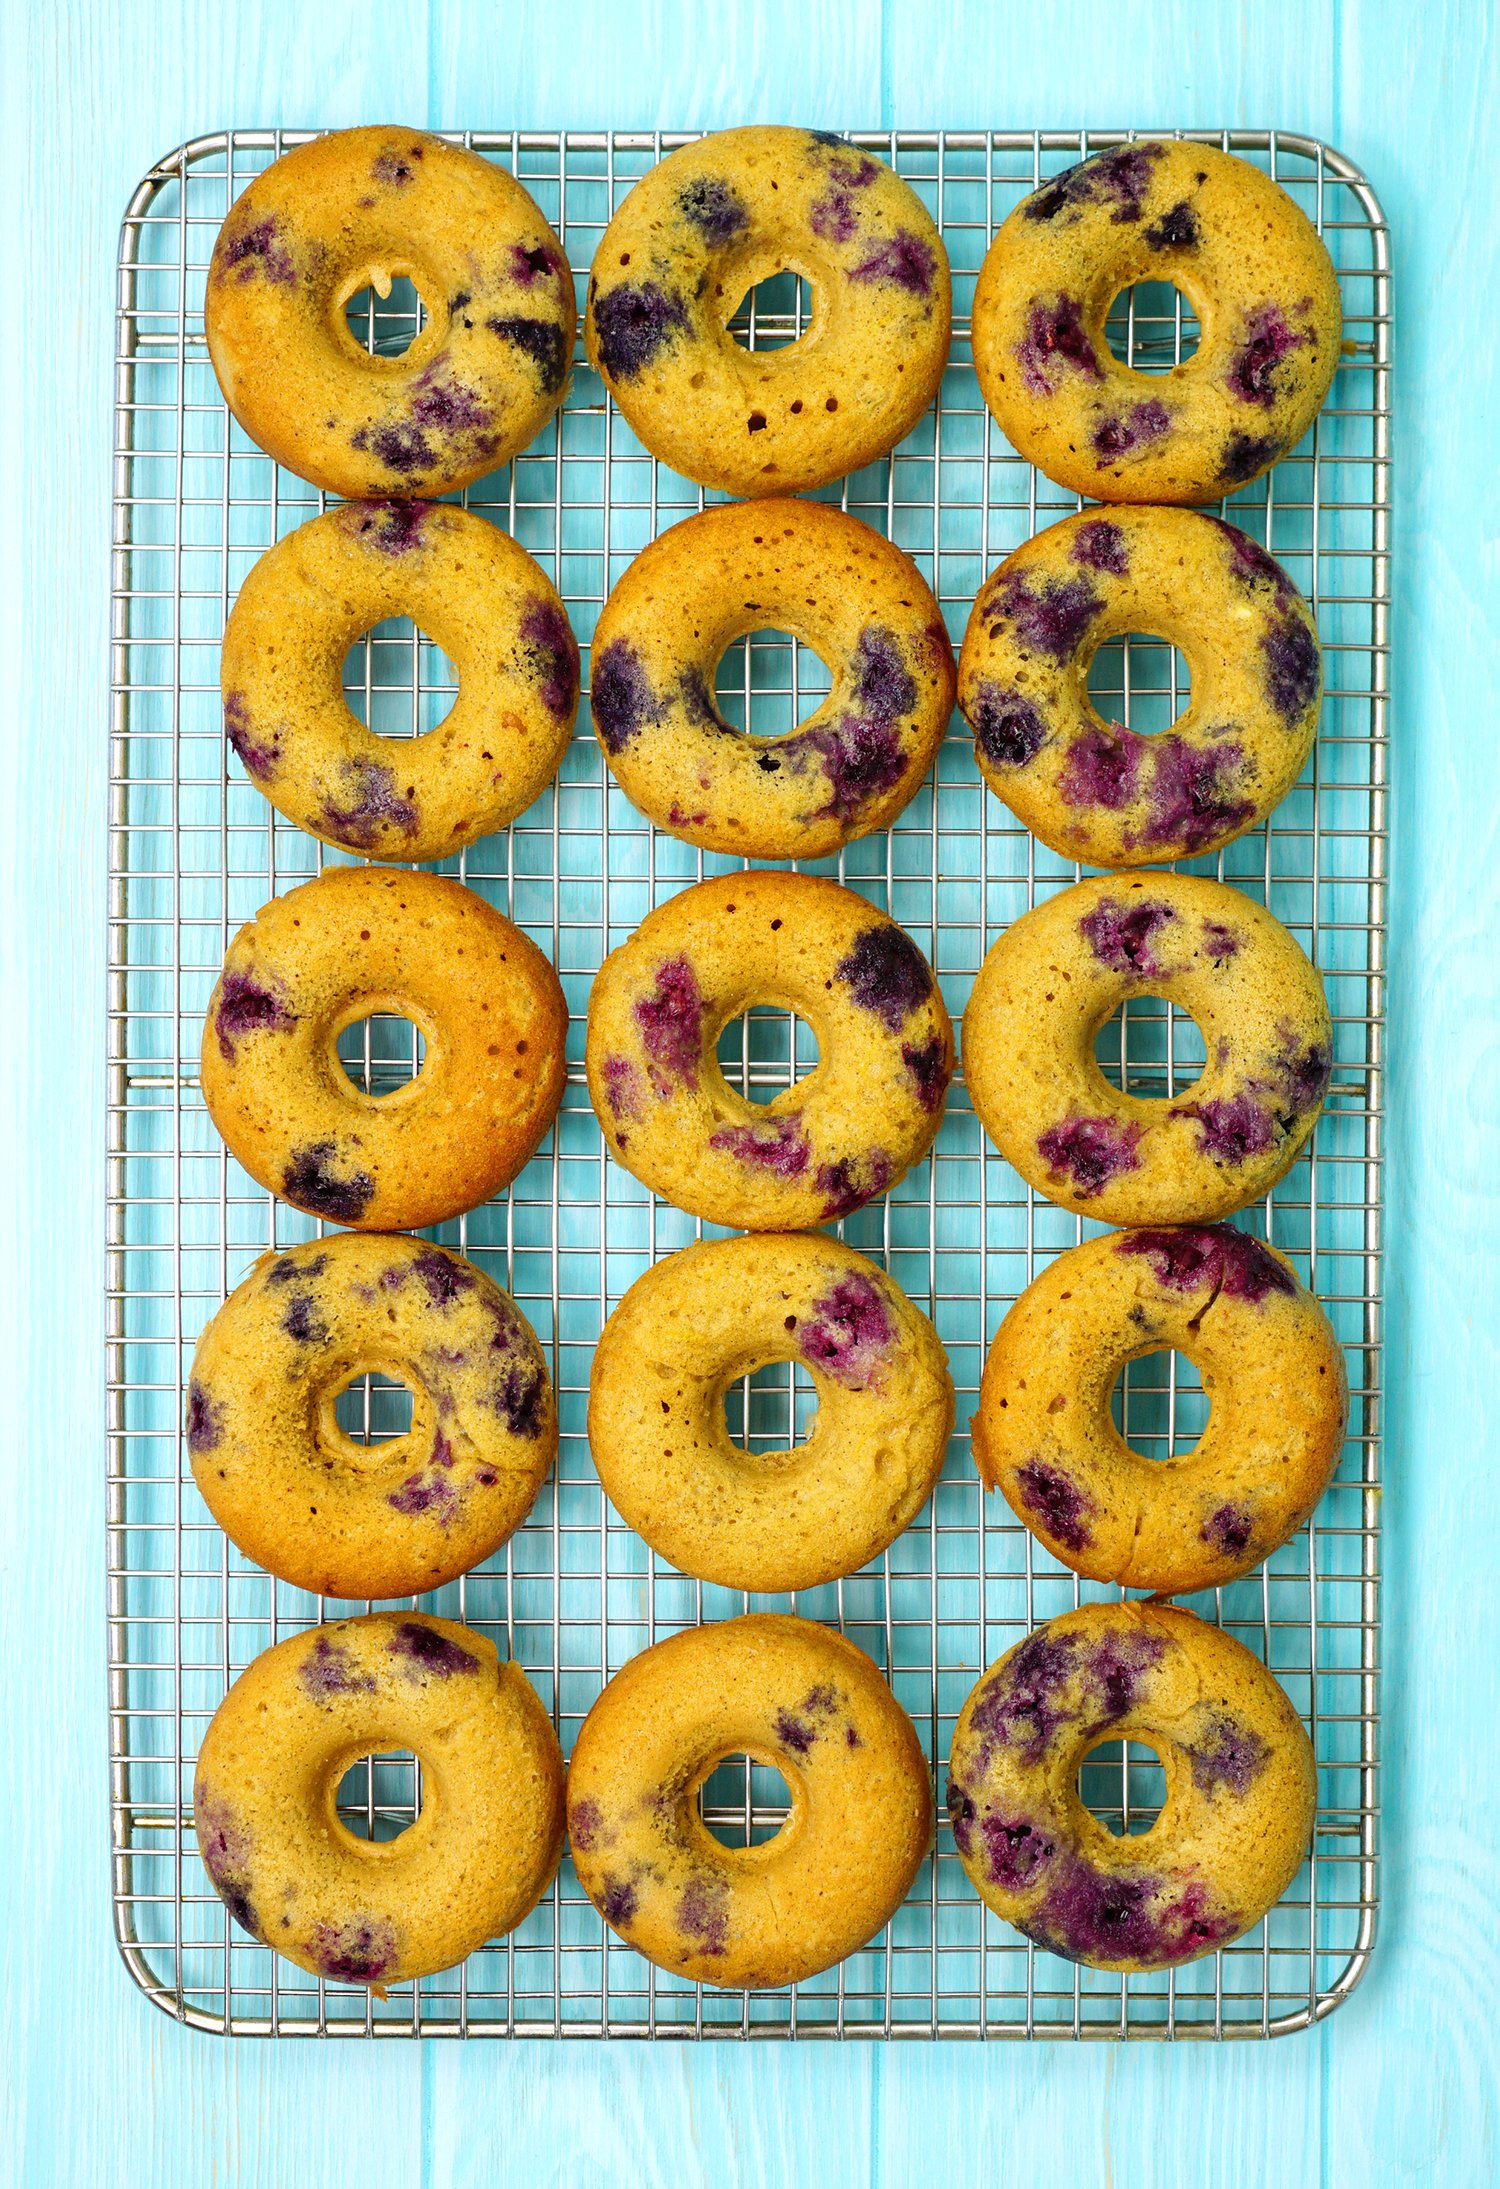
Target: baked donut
<point>818,1150</point>
<point>477,595</point>
<point>694,1324</point>
<point>352,1520</point>
<point>1060,971</point>
<point>1271,1368</point>
<point>361,940</point>
<point>790,1695</point>
<point>475,1862</point>
<point>695,235</point>
<point>363,207</point>
<point>1094,790</point>
<point>854,598</point>
<point>1249,262</point>
<point>1239,1806</point>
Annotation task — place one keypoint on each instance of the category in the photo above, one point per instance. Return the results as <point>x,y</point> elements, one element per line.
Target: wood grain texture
<point>1398,2088</point>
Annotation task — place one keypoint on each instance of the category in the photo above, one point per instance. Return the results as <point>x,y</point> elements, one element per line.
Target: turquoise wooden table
<point>1399,2085</point>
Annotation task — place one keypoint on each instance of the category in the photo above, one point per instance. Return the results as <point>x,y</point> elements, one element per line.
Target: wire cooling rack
<point>195,849</point>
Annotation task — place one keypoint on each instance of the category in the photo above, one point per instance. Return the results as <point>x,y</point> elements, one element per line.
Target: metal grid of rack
<point>195,849</point>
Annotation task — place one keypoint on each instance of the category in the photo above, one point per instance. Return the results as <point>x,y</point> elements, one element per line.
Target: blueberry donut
<point>1272,1370</point>
<point>1256,274</point>
<point>790,1695</point>
<point>817,1151</point>
<point>854,598</point>
<point>357,941</point>
<point>1098,792</point>
<point>701,1319</point>
<point>695,235</point>
<point>475,1862</point>
<point>477,595</point>
<point>316,1507</point>
<point>1063,969</point>
<point>357,209</point>
<point>1241,1787</point>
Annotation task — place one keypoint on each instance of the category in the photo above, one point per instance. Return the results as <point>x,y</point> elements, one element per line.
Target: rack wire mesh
<point>195,849</point>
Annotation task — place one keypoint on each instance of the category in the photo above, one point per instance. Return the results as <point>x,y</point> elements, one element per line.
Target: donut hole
<point>380,1797</point>
<point>1141,681</point>
<point>382,1053</point>
<point>1151,1049</point>
<point>769,682</point>
<point>773,1409</point>
<point>1151,327</point>
<point>744,1803</point>
<point>374,1409</point>
<point>386,326</point>
<point>1159,1405</point>
<point>1123,1785</point>
<point>397,682</point>
<point>766,1051</point>
<point>774,314</point>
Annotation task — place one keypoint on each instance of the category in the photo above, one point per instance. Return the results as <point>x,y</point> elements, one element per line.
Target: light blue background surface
<point>1401,2086</point>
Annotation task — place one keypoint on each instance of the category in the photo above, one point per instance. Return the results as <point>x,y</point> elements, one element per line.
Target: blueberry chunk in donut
<point>886,973</point>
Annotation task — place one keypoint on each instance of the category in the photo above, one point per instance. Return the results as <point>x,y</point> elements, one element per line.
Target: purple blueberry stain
<point>624,1090</point>
<point>309,1183</point>
<point>1057,1503</point>
<point>1252,369</point>
<point>1102,767</point>
<point>1138,427</point>
<point>521,1399</point>
<point>1293,666</point>
<point>850,1332</point>
<point>393,528</point>
<point>961,1814</point>
<point>1008,728</point>
<point>330,1671</point>
<point>1189,797</point>
<point>1246,455</point>
<point>617,1901</point>
<point>361,1951</point>
<point>393,168</point>
<point>546,630</point>
<point>1227,1754</point>
<point>288,1270</point>
<point>1097,1915</point>
<point>860,759</point>
<point>1118,1665</point>
<point>835,216</point>
<point>1091,1151</point>
<point>205,1419</point>
<point>1177,230</point>
<point>634,323</point>
<point>1232,1129</point>
<point>224,1846</point>
<point>793,1732</point>
<point>670,1019</point>
<point>842,1188</point>
<point>302,1321</point>
<point>443,1275</point>
<point>703,1912</point>
<point>1014,1851</point>
<point>423,1650</point>
<point>422,1495</point>
<point>1193,1257</point>
<point>1228,1530</point>
<point>1022,1705</point>
<point>534,262</point>
<point>1056,337</point>
<point>585,1824</point>
<point>713,208</point>
<point>886,974</point>
<point>443,1454</point>
<point>1250,563</point>
<point>1302,1070</point>
<point>902,261</point>
<point>258,249</point>
<point>1100,545</point>
<point>541,341</point>
<point>928,1071</point>
<point>370,805</point>
<point>257,757</point>
<point>1121,935</point>
<point>621,696</point>
<point>779,1146</point>
<point>1051,618</point>
<point>884,688</point>
<point>245,1007</point>
<point>1120,178</point>
<point>1220,943</point>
